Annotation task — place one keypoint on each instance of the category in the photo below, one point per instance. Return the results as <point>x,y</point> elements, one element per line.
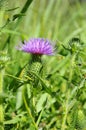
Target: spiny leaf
<point>46,88</point>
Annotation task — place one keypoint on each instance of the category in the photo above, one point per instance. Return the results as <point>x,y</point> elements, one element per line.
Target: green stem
<point>28,110</point>
<point>24,9</point>
<point>66,110</point>
<point>64,120</point>
<point>39,118</point>
<point>1,105</point>
<point>72,65</point>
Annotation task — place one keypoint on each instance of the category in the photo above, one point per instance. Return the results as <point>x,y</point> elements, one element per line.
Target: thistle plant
<point>43,92</point>
<point>37,47</point>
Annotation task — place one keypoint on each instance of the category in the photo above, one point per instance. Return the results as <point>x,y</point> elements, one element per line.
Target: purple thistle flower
<point>38,46</point>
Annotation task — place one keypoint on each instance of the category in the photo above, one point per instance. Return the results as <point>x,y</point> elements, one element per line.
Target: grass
<point>58,102</point>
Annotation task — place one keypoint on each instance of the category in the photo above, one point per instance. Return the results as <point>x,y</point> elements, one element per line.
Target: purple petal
<point>37,46</point>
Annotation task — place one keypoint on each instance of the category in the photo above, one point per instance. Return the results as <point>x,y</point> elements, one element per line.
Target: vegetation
<point>58,101</point>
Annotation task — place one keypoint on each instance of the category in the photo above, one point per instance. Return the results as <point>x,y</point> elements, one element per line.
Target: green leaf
<point>19,99</point>
<point>41,101</point>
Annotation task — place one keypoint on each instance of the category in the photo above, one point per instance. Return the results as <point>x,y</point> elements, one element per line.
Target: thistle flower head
<point>37,46</point>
